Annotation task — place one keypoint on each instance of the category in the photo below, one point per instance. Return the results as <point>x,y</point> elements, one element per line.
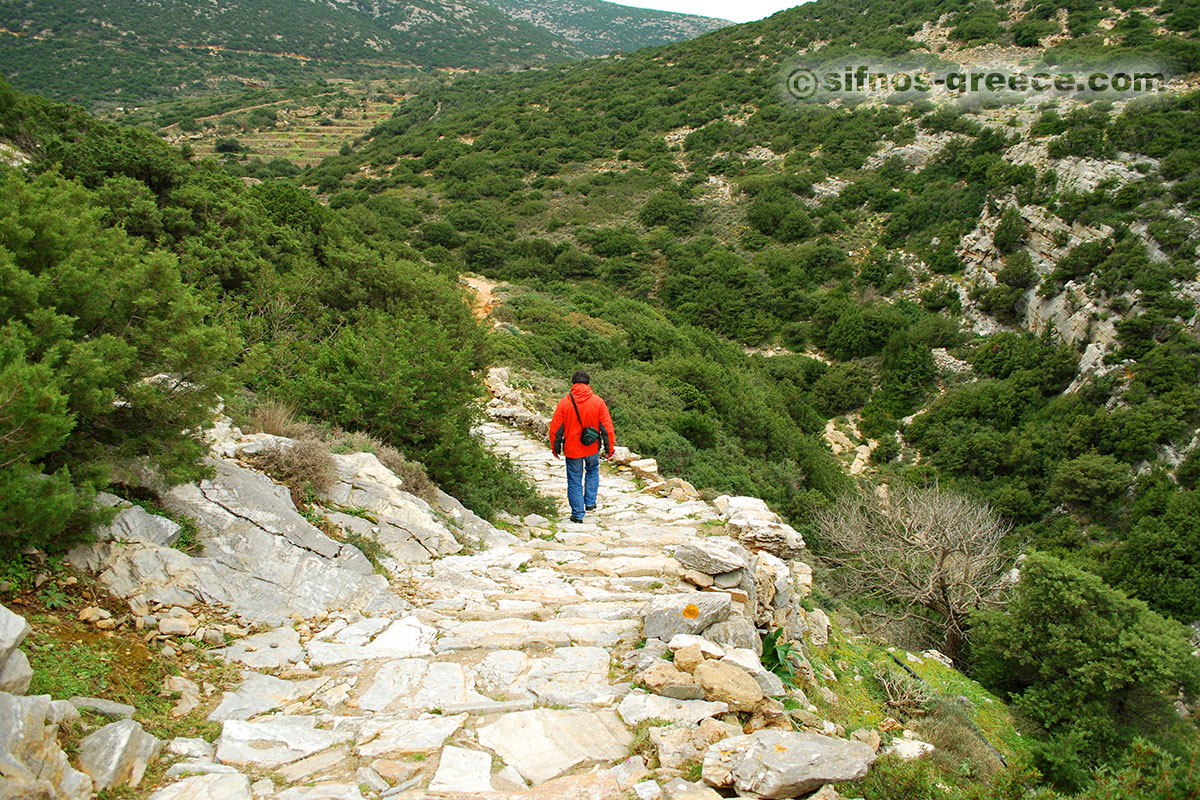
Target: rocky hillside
<point>126,53</point>
<point>599,28</point>
<point>462,659</point>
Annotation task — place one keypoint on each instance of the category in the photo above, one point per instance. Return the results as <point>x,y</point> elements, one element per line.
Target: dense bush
<point>107,355</point>
<point>1090,666</point>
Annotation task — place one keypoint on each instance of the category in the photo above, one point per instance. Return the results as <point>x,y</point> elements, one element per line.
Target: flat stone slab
<point>228,786</point>
<point>260,693</point>
<point>573,676</point>
<point>321,791</point>
<point>513,634</point>
<point>639,706</point>
<point>270,650</point>
<point>712,556</point>
<point>105,708</point>
<point>544,743</point>
<point>381,736</point>
<point>462,770</point>
<point>273,741</point>
<point>404,638</point>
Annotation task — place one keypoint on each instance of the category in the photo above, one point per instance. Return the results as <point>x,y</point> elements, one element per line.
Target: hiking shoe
<point>589,508</point>
<point>578,520</point>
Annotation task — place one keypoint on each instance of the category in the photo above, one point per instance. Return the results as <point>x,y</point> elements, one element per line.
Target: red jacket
<point>594,413</point>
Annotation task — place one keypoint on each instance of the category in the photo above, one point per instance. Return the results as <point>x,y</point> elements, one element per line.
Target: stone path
<point>506,674</point>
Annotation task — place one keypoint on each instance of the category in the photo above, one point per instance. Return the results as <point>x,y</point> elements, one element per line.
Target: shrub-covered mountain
<point>123,52</point>
<point>598,27</point>
<point>997,294</point>
<point>128,52</point>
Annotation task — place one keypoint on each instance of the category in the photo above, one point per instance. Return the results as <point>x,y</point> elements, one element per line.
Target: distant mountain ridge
<point>129,52</point>
<point>599,27</point>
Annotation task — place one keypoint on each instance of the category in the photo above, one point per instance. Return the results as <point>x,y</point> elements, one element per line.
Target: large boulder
<point>725,682</point>
<point>32,765</point>
<point>363,482</point>
<point>685,613</point>
<point>15,673</point>
<point>134,524</point>
<point>262,559</point>
<point>778,764</point>
<point>712,556</point>
<point>756,527</point>
<point>118,754</point>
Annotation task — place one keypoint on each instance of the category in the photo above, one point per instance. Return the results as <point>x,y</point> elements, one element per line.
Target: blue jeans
<point>581,491</point>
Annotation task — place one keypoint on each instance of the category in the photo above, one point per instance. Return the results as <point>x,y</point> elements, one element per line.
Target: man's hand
<point>607,456</point>
<point>556,455</point>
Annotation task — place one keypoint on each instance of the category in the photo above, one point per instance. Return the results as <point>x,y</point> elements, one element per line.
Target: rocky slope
<point>599,28</point>
<point>623,654</point>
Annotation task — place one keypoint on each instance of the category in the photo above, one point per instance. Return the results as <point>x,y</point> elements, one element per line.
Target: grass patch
<point>641,745</point>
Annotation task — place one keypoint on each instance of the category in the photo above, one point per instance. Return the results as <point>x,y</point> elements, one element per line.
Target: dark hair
<point>581,377</point>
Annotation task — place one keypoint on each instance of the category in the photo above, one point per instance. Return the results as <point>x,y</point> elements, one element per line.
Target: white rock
<point>818,627</point>
<point>909,749</point>
<point>321,791</point>
<point>712,556</point>
<point>381,735</point>
<point>207,787</point>
<point>405,638</point>
<point>572,676</point>
<point>260,693</point>
<point>462,770</point>
<point>190,748</point>
<point>118,754</point>
<point>690,612</point>
<point>15,673</point>
<point>34,764</point>
<point>639,706</point>
<point>271,650</point>
<point>708,648</point>
<point>276,740</point>
<point>647,790</point>
<point>545,743</point>
<point>779,764</point>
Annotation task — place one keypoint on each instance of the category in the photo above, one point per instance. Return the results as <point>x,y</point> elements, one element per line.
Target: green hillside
<point>998,295</point>
<point>127,53</point>
<point>823,304</point>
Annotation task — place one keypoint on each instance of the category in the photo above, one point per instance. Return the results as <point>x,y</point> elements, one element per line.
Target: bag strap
<point>576,409</point>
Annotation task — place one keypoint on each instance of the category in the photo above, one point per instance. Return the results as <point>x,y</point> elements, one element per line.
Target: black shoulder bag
<point>589,435</point>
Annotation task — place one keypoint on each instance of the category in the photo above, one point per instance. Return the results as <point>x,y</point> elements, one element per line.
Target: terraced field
<point>302,133</point>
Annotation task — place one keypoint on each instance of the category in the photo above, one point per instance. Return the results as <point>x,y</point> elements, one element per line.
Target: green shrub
<point>105,357</point>
<point>1010,232</point>
<point>1159,560</point>
<point>1091,483</point>
<point>1091,667</point>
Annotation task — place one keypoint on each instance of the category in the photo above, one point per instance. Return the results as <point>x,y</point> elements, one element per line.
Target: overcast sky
<point>736,10</point>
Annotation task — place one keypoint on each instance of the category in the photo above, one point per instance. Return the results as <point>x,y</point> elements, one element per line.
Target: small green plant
<point>53,597</point>
<point>778,657</point>
<point>15,573</point>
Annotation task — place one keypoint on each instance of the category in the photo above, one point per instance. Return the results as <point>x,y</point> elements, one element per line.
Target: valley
<point>906,383</point>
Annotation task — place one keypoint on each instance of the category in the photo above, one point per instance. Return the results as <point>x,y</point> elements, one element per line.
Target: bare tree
<point>932,555</point>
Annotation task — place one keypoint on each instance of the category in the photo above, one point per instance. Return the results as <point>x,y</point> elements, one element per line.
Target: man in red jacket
<point>582,430</point>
